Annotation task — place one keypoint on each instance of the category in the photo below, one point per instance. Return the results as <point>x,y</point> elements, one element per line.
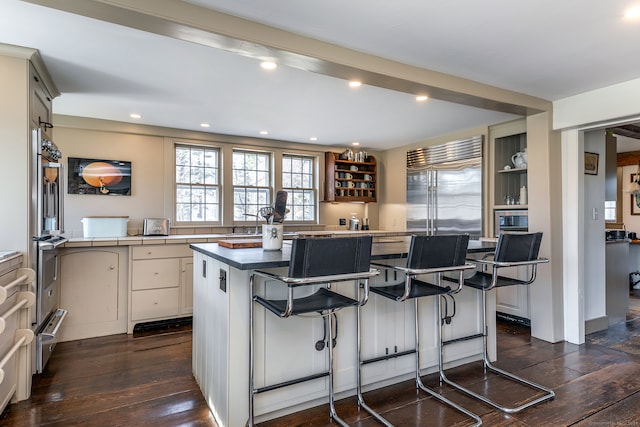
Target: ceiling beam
<point>188,22</point>
<point>631,131</point>
<point>628,158</point>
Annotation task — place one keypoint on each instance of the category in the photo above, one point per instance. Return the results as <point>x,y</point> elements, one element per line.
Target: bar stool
<point>321,261</point>
<point>427,255</point>
<point>512,250</point>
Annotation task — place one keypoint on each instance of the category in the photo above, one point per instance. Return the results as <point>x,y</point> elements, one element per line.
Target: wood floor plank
<point>120,380</point>
<point>586,395</point>
<point>623,413</point>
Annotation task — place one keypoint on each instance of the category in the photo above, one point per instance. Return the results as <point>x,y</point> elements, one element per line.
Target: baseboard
<point>513,319</point>
<point>162,326</point>
<point>595,325</point>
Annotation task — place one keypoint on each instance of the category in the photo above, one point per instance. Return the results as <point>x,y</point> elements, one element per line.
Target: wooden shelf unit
<point>349,181</point>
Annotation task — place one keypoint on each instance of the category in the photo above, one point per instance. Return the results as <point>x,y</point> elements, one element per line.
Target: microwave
<point>511,220</point>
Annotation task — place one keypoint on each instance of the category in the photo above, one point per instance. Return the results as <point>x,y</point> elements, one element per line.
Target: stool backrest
<point>437,251</point>
<point>329,256</point>
<point>518,247</point>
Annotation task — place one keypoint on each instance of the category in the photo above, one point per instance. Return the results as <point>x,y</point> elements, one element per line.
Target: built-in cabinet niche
<point>350,181</point>
<point>509,178</point>
<point>506,141</point>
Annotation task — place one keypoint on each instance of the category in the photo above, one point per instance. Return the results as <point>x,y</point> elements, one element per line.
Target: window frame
<point>314,188</point>
<point>225,162</point>
<point>249,216</point>
<point>176,144</point>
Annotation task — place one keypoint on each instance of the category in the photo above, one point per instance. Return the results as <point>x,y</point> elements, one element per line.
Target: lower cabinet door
<point>149,304</point>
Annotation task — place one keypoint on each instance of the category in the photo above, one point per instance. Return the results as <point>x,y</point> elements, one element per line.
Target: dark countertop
<point>254,258</point>
<point>621,241</point>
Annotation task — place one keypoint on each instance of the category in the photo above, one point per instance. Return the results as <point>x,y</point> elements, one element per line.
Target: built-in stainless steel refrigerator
<point>444,188</point>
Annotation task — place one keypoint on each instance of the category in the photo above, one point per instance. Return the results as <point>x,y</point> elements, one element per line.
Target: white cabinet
<point>388,327</point>
<point>155,273</point>
<point>154,304</point>
<point>513,301</point>
<point>160,285</point>
<point>15,382</point>
<point>40,100</point>
<point>186,279</point>
<point>94,291</point>
<point>213,363</point>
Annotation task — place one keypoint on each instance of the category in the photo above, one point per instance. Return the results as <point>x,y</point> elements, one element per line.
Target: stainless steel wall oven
<point>47,225</point>
<point>511,220</point>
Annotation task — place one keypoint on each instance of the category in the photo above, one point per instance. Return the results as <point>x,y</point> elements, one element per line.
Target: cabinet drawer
<point>155,303</point>
<point>155,273</point>
<point>160,251</point>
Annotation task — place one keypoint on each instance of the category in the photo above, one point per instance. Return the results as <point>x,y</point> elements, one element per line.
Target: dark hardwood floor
<point>146,380</point>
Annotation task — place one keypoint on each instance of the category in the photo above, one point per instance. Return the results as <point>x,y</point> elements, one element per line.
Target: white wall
<point>591,110</point>
<point>545,214</point>
<point>152,170</point>
<point>146,157</point>
<point>611,103</point>
<point>15,140</point>
<point>594,232</point>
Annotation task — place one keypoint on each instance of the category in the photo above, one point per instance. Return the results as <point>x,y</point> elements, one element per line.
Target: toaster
<point>156,226</point>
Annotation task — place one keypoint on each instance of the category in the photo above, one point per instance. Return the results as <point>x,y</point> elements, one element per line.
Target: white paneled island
<point>288,348</point>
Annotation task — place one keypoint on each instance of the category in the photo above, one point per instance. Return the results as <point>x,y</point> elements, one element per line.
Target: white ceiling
<point>544,48</point>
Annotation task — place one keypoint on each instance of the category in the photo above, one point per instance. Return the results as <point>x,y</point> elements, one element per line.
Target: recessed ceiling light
<point>135,116</point>
<point>204,125</point>
<point>355,83</point>
<point>264,132</point>
<point>421,98</point>
<point>633,13</point>
<point>313,138</point>
<point>355,143</point>
<point>268,65</point>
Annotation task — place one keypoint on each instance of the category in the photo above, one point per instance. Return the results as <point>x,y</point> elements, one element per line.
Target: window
<point>197,184</point>
<point>610,211</point>
<point>297,181</point>
<point>251,183</point>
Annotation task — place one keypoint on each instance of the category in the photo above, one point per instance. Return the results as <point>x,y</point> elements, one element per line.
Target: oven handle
<point>60,314</point>
<point>49,246</point>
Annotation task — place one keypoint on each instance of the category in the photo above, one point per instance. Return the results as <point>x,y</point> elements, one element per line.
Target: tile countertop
<point>77,242</point>
<point>8,254</point>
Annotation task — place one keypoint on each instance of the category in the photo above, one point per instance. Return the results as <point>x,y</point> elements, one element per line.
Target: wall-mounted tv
<point>102,177</point>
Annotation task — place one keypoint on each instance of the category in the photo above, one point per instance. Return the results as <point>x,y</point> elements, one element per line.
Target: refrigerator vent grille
<point>449,152</point>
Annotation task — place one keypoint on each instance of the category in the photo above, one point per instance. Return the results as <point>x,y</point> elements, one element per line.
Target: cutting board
<point>241,243</point>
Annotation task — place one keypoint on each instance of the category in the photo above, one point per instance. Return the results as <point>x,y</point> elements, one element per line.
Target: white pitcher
<point>519,159</point>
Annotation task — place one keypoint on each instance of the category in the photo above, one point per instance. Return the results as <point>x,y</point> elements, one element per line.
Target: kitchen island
<point>286,348</point>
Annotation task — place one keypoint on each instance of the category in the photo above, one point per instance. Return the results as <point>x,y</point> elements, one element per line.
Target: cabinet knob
<point>149,253</point>
<point>155,273</point>
<point>112,267</point>
<point>155,303</point>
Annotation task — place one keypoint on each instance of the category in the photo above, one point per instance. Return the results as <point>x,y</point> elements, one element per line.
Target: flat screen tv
<point>101,177</point>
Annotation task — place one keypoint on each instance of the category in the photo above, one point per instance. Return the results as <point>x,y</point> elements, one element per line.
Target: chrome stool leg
<point>486,365</point>
<point>361,401</point>
<point>420,384</point>
<point>332,407</point>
